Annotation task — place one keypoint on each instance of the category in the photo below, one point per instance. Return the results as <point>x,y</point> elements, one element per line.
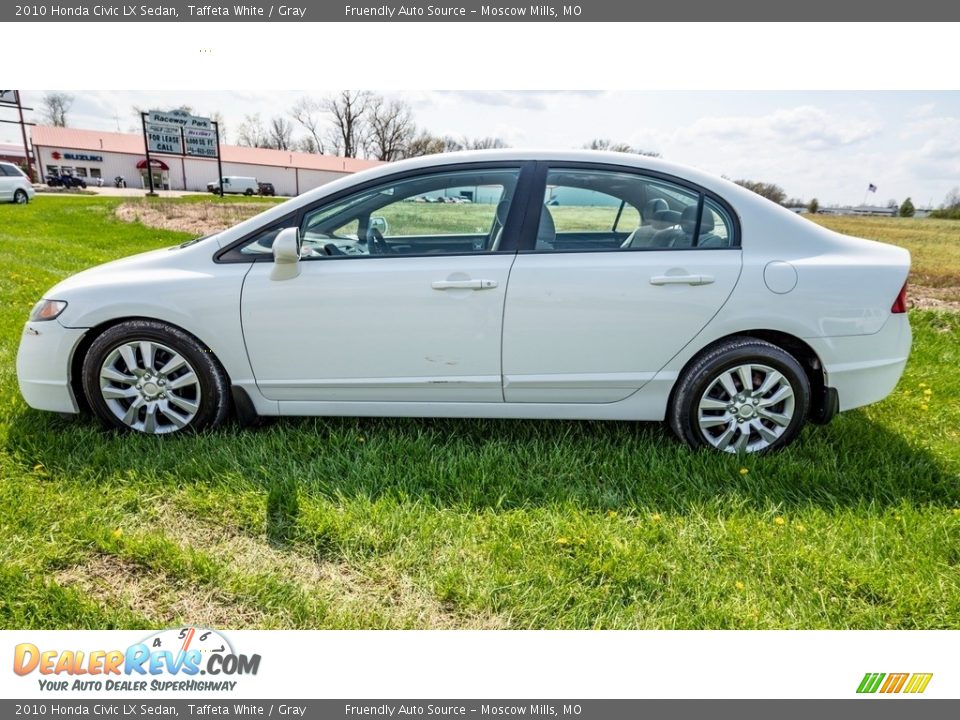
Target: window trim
<point>528,240</point>
<point>517,217</point>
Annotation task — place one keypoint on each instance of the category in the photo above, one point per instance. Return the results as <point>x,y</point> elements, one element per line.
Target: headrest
<point>653,207</point>
<point>547,231</point>
<point>503,207</point>
<point>688,221</point>
<point>668,217</point>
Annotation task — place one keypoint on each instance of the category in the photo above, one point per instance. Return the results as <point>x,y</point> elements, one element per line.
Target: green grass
<point>357,523</point>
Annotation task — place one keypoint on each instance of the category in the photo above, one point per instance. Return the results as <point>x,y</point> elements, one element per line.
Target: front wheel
<point>744,395</point>
<point>248,192</point>
<point>153,378</point>
<point>20,197</point>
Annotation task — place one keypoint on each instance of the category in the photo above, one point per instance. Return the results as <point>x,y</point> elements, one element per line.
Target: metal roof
<point>132,144</point>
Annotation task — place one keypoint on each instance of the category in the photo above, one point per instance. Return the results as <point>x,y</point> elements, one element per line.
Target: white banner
<point>478,664</point>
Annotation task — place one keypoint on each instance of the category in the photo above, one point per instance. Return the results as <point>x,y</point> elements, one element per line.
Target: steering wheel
<point>376,245</point>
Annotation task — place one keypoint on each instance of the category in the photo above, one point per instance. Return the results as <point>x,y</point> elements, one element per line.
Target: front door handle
<point>681,279</point>
<point>463,284</point>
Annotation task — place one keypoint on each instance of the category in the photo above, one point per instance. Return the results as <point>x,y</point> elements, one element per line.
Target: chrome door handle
<point>681,279</point>
<point>463,284</point>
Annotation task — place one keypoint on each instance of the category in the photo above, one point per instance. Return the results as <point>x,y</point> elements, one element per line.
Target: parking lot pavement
<point>114,192</point>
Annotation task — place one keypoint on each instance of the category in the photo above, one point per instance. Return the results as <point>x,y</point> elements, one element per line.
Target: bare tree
<point>425,144</point>
<point>56,105</point>
<point>251,132</point>
<point>607,144</point>
<point>484,143</point>
<point>349,110</point>
<point>767,190</point>
<point>280,133</point>
<point>305,144</point>
<point>952,200</point>
<point>308,113</point>
<point>390,129</point>
<point>217,117</point>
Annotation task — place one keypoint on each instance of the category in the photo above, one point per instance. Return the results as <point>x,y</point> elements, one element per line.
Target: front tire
<point>743,395</point>
<point>149,377</point>
<point>20,197</point>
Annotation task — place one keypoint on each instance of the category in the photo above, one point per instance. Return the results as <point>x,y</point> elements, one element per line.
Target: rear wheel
<point>744,395</point>
<point>20,197</point>
<point>149,377</point>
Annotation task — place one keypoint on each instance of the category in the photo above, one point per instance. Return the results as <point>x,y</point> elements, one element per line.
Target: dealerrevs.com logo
<point>174,659</point>
<point>891,683</point>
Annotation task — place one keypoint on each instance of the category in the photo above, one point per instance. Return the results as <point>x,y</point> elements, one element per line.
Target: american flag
<point>871,188</point>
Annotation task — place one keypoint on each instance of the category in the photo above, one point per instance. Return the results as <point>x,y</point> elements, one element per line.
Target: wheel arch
<point>823,400</point>
<point>82,347</point>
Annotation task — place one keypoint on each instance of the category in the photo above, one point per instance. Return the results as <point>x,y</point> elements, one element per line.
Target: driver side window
<point>444,213</point>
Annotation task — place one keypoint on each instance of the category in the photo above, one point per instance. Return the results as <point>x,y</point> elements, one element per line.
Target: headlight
<point>47,310</point>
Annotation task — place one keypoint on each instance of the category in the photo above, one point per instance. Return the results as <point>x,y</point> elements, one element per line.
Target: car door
<point>399,296</point>
<point>591,317</point>
<point>7,182</point>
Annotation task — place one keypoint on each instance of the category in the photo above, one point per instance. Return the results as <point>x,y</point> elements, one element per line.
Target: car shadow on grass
<point>494,464</point>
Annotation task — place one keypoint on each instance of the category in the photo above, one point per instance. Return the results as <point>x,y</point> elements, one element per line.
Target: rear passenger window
<point>596,210</point>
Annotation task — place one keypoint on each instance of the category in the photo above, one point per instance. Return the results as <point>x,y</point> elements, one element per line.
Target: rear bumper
<point>43,365</point>
<point>864,369</point>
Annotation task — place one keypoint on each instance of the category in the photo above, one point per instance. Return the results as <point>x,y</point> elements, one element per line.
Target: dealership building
<point>103,156</point>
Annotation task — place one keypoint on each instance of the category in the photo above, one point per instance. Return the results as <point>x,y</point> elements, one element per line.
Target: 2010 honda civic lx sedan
<point>498,284</point>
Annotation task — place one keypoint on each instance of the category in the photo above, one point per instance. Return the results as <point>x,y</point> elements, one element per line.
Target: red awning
<point>154,163</point>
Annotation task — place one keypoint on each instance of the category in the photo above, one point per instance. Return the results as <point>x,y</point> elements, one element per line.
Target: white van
<point>235,185</point>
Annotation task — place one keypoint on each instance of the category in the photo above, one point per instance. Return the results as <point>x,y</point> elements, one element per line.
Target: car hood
<point>148,266</point>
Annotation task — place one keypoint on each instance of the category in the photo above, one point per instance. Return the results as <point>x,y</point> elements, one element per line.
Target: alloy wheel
<point>150,387</point>
<point>746,408</point>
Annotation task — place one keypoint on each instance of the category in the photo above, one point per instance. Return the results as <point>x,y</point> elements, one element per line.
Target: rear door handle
<point>681,279</point>
<point>463,284</point>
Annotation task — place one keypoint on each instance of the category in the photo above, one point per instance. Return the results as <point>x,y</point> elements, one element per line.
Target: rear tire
<point>149,377</point>
<point>743,395</point>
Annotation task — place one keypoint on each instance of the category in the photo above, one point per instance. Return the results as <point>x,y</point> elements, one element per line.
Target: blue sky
<point>828,145</point>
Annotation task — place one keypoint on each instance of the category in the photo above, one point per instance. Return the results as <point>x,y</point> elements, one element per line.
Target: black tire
<point>20,197</point>
<point>214,394</point>
<point>248,192</point>
<point>704,370</point>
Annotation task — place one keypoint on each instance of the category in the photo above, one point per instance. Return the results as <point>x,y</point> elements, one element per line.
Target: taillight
<point>900,304</point>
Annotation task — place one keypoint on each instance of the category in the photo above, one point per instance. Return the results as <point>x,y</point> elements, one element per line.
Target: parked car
<point>670,295</point>
<point>235,185</point>
<point>266,188</point>
<point>15,186</point>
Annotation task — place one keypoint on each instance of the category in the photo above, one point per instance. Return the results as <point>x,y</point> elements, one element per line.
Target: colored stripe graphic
<point>918,683</point>
<point>870,682</point>
<point>894,683</point>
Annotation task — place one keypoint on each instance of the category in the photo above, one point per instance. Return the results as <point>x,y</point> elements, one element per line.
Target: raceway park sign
<point>179,133</point>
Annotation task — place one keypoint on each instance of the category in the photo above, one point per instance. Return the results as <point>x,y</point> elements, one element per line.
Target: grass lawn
<point>367,523</point>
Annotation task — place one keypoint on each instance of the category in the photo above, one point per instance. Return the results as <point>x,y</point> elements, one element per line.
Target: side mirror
<point>286,254</point>
<point>378,222</point>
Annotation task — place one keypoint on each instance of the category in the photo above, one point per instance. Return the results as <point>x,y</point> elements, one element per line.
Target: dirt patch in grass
<point>199,218</point>
<point>345,588</point>
<point>924,297</point>
<point>154,595</point>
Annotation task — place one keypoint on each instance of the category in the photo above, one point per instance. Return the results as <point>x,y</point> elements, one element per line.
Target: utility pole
<point>26,146</point>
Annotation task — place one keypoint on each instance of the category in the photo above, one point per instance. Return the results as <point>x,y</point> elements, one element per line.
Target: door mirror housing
<point>286,254</point>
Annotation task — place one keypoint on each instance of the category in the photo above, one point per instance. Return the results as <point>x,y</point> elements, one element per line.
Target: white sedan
<point>579,285</point>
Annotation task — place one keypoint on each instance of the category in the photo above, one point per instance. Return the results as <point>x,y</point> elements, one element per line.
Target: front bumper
<point>43,365</point>
<point>864,369</point>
